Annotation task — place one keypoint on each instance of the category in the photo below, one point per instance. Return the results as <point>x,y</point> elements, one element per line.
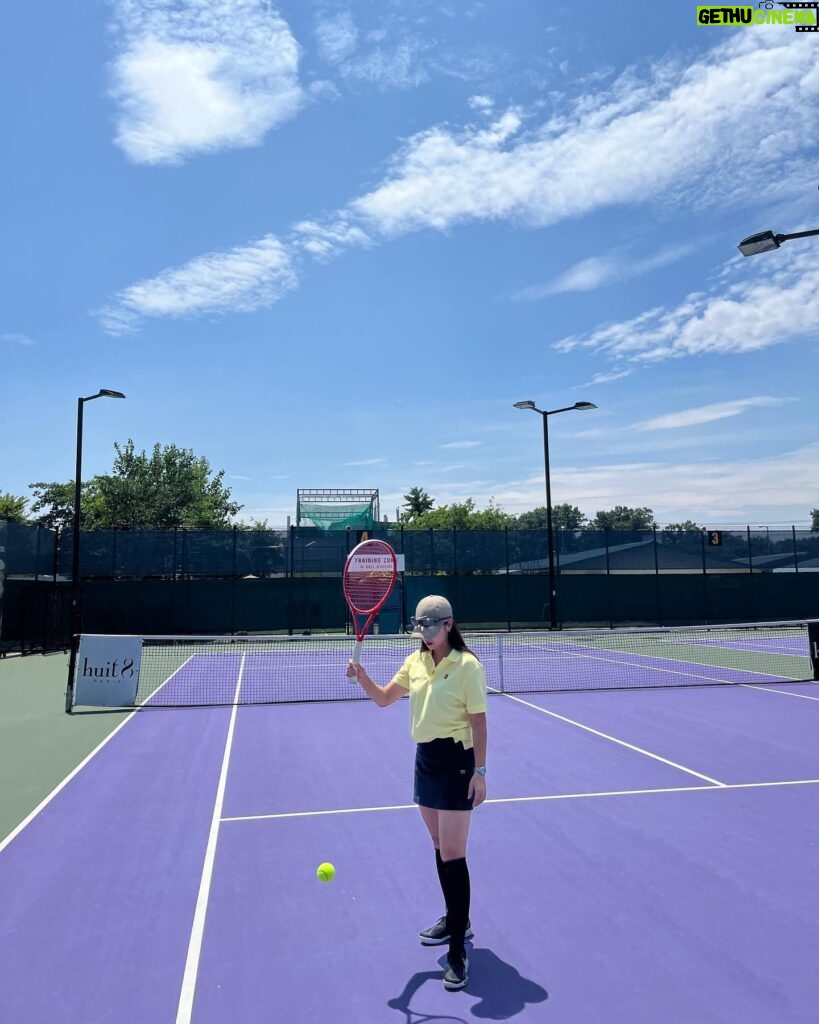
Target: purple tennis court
<point>644,855</point>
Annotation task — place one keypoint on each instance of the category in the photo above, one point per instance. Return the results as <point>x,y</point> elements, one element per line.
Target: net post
<point>72,666</point>
<point>813,643</point>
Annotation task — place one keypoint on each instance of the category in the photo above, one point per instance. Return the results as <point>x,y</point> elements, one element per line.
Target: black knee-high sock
<point>439,866</point>
<point>456,894</point>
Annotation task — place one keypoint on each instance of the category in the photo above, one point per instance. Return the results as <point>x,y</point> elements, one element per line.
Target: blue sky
<point>330,244</point>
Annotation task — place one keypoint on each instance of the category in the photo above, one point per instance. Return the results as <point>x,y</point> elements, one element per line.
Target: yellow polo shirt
<point>443,695</point>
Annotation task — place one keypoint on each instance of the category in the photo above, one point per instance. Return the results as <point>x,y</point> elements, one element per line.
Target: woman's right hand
<point>355,671</point>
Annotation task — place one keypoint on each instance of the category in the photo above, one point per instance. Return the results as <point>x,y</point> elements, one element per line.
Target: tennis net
<point>180,671</point>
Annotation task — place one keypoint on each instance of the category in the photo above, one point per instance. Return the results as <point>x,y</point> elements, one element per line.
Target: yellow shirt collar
<point>453,656</point>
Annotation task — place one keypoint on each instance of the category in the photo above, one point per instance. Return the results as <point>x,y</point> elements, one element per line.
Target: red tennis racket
<point>369,576</point>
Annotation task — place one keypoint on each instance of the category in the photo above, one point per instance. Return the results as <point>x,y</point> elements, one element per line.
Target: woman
<point>447,688</point>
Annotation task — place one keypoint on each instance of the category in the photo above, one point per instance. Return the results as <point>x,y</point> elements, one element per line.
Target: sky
<point>331,244</point>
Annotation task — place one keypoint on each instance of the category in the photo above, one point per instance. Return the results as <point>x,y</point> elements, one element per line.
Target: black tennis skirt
<point>443,771</point>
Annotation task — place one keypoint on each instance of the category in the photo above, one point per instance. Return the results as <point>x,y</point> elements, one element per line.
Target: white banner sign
<point>107,672</point>
<point>365,562</point>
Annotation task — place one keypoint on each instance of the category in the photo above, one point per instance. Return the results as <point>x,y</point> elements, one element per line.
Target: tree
<point>257,526</point>
<point>171,488</point>
<point>416,502</point>
<point>814,519</point>
<point>463,516</point>
<point>623,518</point>
<point>13,508</point>
<point>53,504</point>
<point>686,536</point>
<point>564,517</point>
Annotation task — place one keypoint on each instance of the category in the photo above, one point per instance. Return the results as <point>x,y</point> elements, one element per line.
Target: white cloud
<point>394,66</point>
<point>708,413</point>
<point>16,339</point>
<point>323,241</point>
<point>637,142</point>
<point>605,378</point>
<point>713,492</point>
<point>777,302</point>
<point>243,279</point>
<point>598,271</point>
<point>483,104</point>
<point>336,36</point>
<point>739,490</point>
<point>366,462</point>
<point>194,77</point>
<point>460,444</point>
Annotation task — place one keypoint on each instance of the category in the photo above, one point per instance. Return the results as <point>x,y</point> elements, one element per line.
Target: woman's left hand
<point>477,790</point>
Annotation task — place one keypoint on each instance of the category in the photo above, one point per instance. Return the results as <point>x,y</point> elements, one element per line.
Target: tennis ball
<point>325,872</point>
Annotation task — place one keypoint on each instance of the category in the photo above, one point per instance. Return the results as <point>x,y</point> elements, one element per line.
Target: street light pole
<point>550,536</point>
<point>75,535</point>
<point>76,620</point>
<point>550,532</point>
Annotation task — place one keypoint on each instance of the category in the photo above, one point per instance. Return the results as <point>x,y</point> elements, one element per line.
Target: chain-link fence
<point>288,580</point>
<point>307,551</point>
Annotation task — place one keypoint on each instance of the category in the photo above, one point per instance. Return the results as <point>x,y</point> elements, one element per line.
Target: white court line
<point>769,689</point>
<point>186,995</point>
<point>655,669</point>
<point>614,739</point>
<point>61,785</point>
<point>535,799</point>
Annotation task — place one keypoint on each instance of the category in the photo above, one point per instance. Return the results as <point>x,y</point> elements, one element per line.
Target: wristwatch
<point>480,771</point>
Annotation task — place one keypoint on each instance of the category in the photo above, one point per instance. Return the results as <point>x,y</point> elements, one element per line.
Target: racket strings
<point>366,590</point>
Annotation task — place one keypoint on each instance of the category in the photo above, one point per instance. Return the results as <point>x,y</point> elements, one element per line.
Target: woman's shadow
<point>502,991</point>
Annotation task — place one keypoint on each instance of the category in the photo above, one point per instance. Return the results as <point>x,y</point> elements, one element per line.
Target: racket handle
<point>356,659</point>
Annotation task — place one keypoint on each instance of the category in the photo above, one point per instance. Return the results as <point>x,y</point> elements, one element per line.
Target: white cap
<point>434,607</point>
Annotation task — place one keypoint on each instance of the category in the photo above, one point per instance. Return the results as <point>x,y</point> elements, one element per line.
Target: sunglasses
<point>426,621</point>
